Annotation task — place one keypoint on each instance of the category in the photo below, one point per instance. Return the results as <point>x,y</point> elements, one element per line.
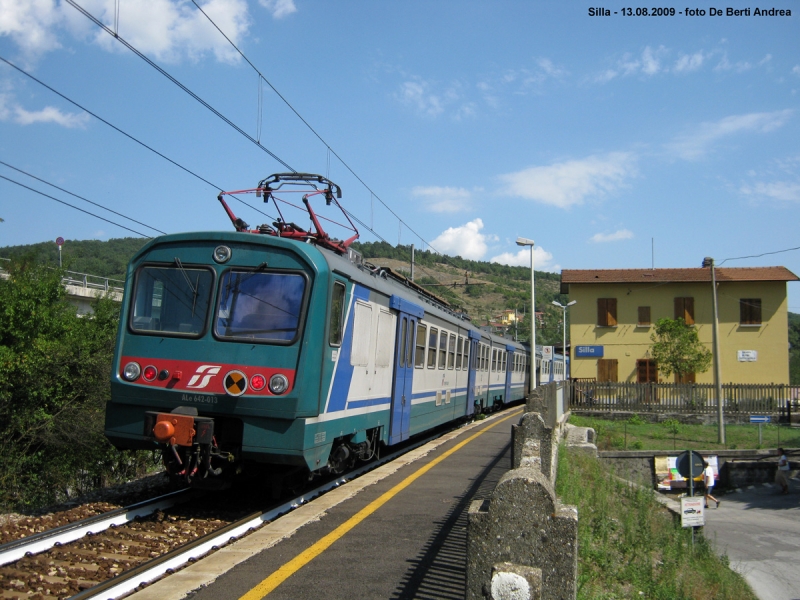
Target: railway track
<point>136,548</point>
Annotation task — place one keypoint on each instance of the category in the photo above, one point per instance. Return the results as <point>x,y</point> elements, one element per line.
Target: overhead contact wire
<point>178,83</point>
<point>144,235</point>
<point>127,135</point>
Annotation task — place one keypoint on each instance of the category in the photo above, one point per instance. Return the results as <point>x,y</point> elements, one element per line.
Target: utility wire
<point>127,135</point>
<point>759,255</point>
<point>81,197</point>
<point>307,124</point>
<point>144,235</point>
<point>178,83</point>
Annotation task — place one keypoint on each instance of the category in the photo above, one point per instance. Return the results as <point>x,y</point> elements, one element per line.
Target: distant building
<point>616,310</point>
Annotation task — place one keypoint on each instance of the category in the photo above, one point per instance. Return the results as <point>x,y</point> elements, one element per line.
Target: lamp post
<point>564,338</point>
<point>709,262</point>
<point>521,241</point>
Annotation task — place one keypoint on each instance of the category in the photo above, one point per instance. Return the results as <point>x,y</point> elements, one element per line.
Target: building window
<point>607,369</point>
<point>606,312</point>
<point>750,311</point>
<point>644,316</point>
<point>684,309</point>
<point>646,371</point>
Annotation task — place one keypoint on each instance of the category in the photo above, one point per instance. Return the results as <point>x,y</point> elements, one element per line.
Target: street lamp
<point>709,262</point>
<point>564,339</point>
<point>521,241</point>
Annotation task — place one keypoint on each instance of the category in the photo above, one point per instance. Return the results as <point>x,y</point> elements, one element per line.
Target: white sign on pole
<point>692,511</point>
<point>547,353</point>
<point>747,355</point>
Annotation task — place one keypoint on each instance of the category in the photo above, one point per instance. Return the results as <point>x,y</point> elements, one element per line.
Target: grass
<point>629,546</point>
<point>636,434</point>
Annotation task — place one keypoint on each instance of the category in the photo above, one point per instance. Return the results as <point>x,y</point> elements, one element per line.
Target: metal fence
<point>93,281</point>
<point>686,398</point>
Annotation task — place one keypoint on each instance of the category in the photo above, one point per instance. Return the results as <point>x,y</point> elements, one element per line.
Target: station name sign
<point>588,351</point>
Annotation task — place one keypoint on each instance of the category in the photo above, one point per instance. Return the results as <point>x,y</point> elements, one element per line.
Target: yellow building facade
<point>616,312</point>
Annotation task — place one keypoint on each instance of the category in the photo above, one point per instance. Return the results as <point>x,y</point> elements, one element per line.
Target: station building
<point>616,312</point>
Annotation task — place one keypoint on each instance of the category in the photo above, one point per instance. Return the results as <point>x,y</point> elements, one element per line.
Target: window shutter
<point>678,308</point>
<point>612,312</point>
<point>688,310</point>
<point>602,312</point>
<point>644,315</point>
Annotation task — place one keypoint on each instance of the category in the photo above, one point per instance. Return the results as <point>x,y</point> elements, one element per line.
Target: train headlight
<point>222,254</point>
<point>278,384</point>
<point>149,373</point>
<point>132,371</point>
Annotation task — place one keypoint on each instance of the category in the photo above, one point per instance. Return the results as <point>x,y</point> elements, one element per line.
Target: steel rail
<point>40,542</point>
<point>128,581</point>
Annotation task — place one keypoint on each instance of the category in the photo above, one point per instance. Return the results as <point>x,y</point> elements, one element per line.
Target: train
<point>281,348</point>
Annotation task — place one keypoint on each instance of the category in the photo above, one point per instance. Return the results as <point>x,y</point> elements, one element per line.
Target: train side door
<point>474,362</point>
<point>405,343</point>
<point>509,369</point>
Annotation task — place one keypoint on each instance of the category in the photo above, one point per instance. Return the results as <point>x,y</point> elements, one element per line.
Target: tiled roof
<point>676,275</point>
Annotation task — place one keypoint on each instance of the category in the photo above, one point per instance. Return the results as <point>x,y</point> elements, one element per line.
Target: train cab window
<point>433,342</point>
<point>336,325</point>
<point>442,349</point>
<point>259,306</point>
<point>451,351</point>
<point>419,355</point>
<point>171,300</point>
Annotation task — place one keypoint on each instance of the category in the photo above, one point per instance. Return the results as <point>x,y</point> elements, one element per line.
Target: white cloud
<point>279,8</point>
<point>429,101</point>
<point>542,259</point>
<point>796,70</point>
<point>572,182</point>
<point>620,234</point>
<point>169,30</point>
<point>779,190</point>
<point>49,114</point>
<point>696,144</point>
<point>688,63</point>
<point>443,199</point>
<point>647,63</point>
<point>465,241</point>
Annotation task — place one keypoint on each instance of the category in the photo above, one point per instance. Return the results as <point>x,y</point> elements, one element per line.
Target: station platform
<point>397,532</point>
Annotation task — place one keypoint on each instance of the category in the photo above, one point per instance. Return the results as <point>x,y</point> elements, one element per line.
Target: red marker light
<point>149,373</point>
<point>258,382</point>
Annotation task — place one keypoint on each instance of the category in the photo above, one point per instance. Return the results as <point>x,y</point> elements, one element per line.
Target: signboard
<point>692,511</point>
<point>588,351</point>
<point>747,355</point>
<point>760,418</point>
<point>60,241</point>
<point>547,353</point>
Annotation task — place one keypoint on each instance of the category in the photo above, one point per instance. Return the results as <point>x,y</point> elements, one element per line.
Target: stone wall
<point>522,543</point>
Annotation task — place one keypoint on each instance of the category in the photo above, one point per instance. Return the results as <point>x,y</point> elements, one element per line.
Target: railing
<point>93,281</point>
<point>84,280</point>
<point>694,398</point>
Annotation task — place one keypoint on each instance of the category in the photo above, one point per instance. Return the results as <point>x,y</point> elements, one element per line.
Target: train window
<point>260,306</point>
<point>442,349</point>
<point>171,300</point>
<point>451,351</point>
<point>494,359</point>
<point>336,325</point>
<point>433,341</point>
<point>383,357</point>
<point>465,361</point>
<point>485,357</point>
<point>459,351</point>
<point>419,357</point>
<point>362,328</point>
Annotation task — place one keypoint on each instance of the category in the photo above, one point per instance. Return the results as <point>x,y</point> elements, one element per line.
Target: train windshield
<point>172,300</point>
<point>260,306</point>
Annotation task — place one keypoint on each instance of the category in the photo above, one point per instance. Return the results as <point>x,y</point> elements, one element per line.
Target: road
<point>759,530</point>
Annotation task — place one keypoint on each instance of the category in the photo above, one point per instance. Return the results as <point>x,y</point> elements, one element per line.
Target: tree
<point>677,349</point>
<point>54,383</point>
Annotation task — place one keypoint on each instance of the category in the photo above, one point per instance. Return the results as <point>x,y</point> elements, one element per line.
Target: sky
<point>617,141</point>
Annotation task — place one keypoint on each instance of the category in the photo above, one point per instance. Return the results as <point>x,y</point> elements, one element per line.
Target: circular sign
<point>682,463</point>
<point>60,241</point>
<point>235,383</point>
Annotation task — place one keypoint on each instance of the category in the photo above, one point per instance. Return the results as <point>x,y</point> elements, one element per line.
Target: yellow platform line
<point>305,557</point>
